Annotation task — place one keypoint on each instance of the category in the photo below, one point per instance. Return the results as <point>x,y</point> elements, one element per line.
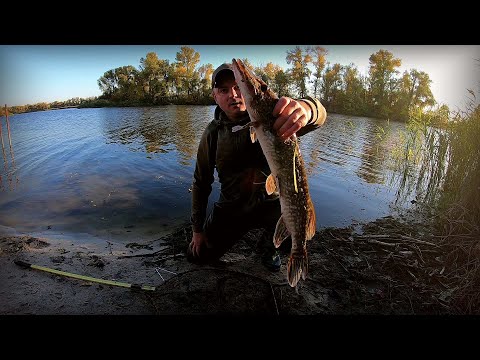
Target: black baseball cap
<point>220,70</point>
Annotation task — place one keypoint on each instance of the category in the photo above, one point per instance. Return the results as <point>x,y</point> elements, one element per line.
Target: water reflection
<point>185,137</point>
<point>373,152</point>
<point>158,129</point>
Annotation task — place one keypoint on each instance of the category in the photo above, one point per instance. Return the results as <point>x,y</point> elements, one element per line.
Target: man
<point>242,170</point>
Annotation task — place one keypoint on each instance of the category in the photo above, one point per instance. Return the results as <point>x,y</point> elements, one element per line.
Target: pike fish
<point>288,176</point>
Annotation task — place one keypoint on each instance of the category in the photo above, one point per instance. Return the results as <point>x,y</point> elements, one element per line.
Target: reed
<point>9,136</point>
<point>441,166</point>
<point>13,169</point>
<point>5,161</point>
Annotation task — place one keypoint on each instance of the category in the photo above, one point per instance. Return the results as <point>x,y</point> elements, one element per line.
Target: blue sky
<point>45,73</point>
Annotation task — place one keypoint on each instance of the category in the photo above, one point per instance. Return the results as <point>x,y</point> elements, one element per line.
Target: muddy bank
<point>385,267</point>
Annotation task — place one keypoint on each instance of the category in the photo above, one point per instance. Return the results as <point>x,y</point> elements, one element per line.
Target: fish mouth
<point>245,78</point>
<point>242,74</point>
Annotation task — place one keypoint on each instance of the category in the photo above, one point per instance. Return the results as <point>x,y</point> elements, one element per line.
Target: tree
<point>185,69</point>
<point>300,72</point>
<point>352,100</point>
<point>155,77</point>
<point>119,83</point>
<point>413,94</point>
<point>108,83</point>
<point>419,92</point>
<point>331,85</point>
<point>205,73</point>
<point>382,82</point>
<point>127,83</point>
<point>282,83</point>
<point>319,61</point>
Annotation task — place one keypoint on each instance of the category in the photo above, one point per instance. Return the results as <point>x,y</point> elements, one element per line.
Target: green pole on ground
<point>86,278</point>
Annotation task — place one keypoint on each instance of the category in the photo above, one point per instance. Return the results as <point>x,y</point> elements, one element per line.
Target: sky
<point>31,74</point>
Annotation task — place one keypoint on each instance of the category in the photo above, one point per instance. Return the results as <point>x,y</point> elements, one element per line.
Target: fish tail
<point>297,267</point>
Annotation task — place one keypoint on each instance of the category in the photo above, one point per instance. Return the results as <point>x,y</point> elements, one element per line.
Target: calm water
<point>125,173</point>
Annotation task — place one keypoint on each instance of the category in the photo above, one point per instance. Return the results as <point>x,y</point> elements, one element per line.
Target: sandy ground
<point>347,275</point>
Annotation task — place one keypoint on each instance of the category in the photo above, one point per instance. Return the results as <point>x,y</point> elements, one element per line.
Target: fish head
<point>259,98</point>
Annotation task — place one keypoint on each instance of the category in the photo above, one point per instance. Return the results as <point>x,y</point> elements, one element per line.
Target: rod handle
<point>22,263</point>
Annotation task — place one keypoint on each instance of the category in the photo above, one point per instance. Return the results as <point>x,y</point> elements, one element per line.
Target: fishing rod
<point>83,277</point>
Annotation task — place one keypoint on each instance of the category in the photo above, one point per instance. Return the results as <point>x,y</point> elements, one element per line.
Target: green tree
<point>119,83</point>
<point>332,86</point>
<point>413,93</point>
<point>282,83</point>
<point>108,83</point>
<point>127,83</point>
<point>299,73</point>
<point>185,70</point>
<point>419,92</point>
<point>352,100</point>
<point>382,82</point>
<point>155,76</point>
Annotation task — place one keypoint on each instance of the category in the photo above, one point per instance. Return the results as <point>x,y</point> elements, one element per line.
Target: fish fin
<point>253,134</point>
<point>270,185</point>
<point>281,233</point>
<point>297,268</point>
<point>311,223</point>
<point>241,127</point>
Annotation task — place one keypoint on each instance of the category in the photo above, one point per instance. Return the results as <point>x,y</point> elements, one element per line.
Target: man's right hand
<point>198,240</point>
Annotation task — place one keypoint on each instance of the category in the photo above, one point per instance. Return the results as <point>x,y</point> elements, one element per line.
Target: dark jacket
<point>241,166</point>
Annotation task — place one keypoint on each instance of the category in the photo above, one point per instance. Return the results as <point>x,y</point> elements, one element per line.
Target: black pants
<point>226,224</point>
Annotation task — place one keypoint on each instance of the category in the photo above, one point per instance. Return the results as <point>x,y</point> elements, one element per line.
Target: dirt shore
<point>386,267</point>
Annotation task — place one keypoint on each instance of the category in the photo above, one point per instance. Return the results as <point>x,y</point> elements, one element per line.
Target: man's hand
<point>292,116</point>
<point>198,240</point>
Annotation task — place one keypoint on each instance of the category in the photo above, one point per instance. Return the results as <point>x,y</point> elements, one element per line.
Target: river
<point>125,174</point>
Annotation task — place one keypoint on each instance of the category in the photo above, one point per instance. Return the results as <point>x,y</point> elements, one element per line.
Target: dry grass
<point>460,241</point>
<point>401,257</point>
<point>396,266</point>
